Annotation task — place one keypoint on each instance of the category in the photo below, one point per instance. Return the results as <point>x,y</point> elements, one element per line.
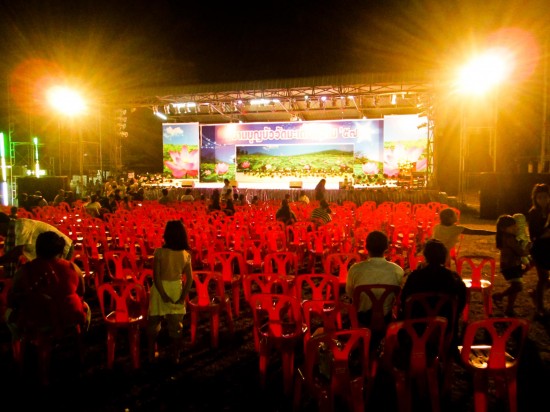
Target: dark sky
<point>134,43</point>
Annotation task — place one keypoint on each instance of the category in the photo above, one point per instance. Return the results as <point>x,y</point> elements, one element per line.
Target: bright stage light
<point>484,72</point>
<point>66,101</point>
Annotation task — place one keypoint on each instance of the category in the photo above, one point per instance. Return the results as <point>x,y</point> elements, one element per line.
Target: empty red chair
<point>412,351</point>
<point>478,273</point>
<point>338,264</point>
<point>120,264</point>
<point>282,263</point>
<point>278,323</point>
<point>495,358</point>
<point>336,365</point>
<point>123,307</point>
<point>232,267</point>
<point>208,296</point>
<point>316,286</point>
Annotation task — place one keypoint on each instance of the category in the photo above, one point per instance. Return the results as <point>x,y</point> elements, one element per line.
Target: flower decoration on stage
<point>245,164</point>
<point>268,167</point>
<point>184,163</point>
<point>399,155</point>
<point>370,168</point>
<point>307,167</point>
<point>221,168</point>
<point>207,172</point>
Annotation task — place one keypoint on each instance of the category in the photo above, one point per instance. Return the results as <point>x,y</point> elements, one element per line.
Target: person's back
<point>375,270</point>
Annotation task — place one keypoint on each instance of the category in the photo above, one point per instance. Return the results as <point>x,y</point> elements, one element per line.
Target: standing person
<point>511,253</point>
<point>172,279</point>
<point>538,222</point>
<point>60,197</point>
<point>20,236</point>
<point>227,190</point>
<point>320,190</point>
<point>215,201</point>
<point>375,270</point>
<point>448,231</point>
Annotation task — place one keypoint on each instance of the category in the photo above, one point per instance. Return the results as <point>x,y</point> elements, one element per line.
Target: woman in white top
<point>172,278</point>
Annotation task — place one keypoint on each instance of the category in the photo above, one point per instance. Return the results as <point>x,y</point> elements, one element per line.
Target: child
<point>523,239</point>
<point>511,253</point>
<point>448,232</point>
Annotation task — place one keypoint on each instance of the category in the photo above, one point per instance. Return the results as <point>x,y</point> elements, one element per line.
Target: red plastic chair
<point>232,267</point>
<point>255,251</point>
<point>412,350</point>
<point>121,265</point>
<point>278,323</point>
<point>123,306</point>
<point>323,316</point>
<point>317,286</point>
<point>208,296</point>
<point>496,361</point>
<point>338,264</point>
<point>318,245</point>
<point>478,273</point>
<point>336,365</point>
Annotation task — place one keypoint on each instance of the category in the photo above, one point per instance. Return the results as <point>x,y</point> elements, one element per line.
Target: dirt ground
<point>226,379</point>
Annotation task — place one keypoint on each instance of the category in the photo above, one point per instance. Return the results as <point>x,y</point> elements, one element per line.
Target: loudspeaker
<point>187,183</point>
<point>296,184</point>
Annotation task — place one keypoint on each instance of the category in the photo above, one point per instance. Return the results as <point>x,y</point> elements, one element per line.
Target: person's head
<point>435,252</point>
<point>376,243</point>
<point>49,245</point>
<point>540,196</point>
<point>165,192</point>
<point>38,193</point>
<point>284,204</point>
<point>175,235</point>
<point>447,217</point>
<point>506,224</point>
<point>324,204</point>
<point>93,198</point>
<point>188,191</point>
<point>226,182</point>
<point>302,193</point>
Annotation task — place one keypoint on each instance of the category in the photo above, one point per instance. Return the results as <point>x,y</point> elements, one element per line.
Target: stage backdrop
<point>365,151</point>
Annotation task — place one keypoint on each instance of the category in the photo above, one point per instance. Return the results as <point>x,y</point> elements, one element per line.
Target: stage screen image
<point>365,151</point>
<point>286,163</point>
<point>181,150</point>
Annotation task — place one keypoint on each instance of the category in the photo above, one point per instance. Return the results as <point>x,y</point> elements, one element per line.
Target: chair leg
<point>236,299</point>
<point>480,393</point>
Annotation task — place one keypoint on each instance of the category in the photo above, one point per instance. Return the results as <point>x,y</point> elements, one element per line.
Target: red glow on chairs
<point>208,296</point>
<point>336,365</point>
<point>495,358</point>
<point>478,273</point>
<point>412,350</point>
<point>232,267</point>
<point>278,323</point>
<point>317,286</point>
<point>123,307</point>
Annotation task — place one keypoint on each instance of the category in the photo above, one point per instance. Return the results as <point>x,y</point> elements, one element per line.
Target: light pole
<point>69,102</point>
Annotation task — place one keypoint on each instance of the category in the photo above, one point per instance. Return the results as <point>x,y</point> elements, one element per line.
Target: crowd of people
<point>37,256</point>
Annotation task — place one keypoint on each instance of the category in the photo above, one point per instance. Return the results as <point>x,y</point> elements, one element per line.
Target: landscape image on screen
<point>294,162</point>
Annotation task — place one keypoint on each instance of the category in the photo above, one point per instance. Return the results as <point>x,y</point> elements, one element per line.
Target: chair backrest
<point>414,345</point>
<point>433,304</point>
<point>317,286</point>
<point>339,263</point>
<point>276,315</point>
<point>231,264</point>
<point>264,283</point>
<point>381,296</point>
<point>323,316</point>
<point>477,269</point>
<point>122,302</point>
<point>208,285</point>
<point>336,358</point>
<point>504,339</point>
<point>120,265</point>
<point>283,263</point>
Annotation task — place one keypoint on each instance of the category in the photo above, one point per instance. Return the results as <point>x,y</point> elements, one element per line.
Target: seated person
<point>321,215</point>
<point>187,197</point>
<point>285,214</point>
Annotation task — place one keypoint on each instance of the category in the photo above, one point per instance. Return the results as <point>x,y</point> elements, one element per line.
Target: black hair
<point>538,188</point>
<point>49,245</point>
<point>435,252</point>
<point>376,243</point>
<point>447,216</point>
<point>503,222</point>
<point>175,236</point>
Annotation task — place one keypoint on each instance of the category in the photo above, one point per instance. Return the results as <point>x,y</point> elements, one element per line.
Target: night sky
<point>120,43</point>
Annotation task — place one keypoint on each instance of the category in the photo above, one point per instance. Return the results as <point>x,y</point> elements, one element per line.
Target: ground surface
<point>227,378</point>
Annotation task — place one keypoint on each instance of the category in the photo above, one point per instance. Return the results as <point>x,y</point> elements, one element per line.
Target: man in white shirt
<point>375,270</point>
